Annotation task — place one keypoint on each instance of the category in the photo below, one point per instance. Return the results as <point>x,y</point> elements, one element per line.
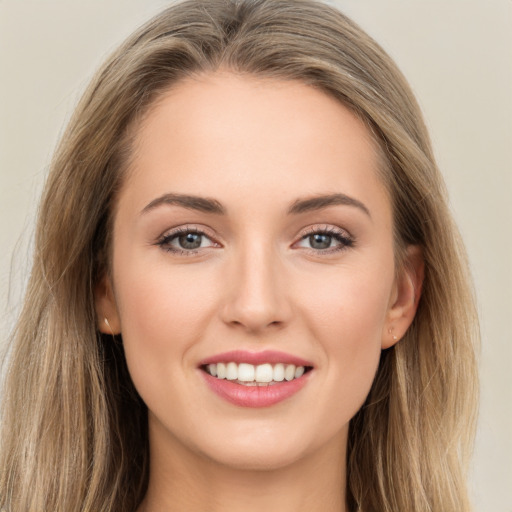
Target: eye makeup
<point>189,240</point>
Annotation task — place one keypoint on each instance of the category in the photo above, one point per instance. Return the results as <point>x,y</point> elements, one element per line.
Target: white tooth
<point>264,373</point>
<point>221,371</point>
<point>232,371</point>
<point>245,372</point>
<point>279,372</point>
<point>289,373</point>
<point>212,369</point>
<point>299,371</point>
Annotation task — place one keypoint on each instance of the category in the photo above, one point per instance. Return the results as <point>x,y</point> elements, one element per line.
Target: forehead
<point>226,132</point>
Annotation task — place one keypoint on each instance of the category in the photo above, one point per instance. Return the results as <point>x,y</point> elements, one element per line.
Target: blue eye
<point>189,241</point>
<point>185,241</point>
<point>327,240</point>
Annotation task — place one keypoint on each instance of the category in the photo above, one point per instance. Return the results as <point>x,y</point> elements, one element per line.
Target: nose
<point>256,298</point>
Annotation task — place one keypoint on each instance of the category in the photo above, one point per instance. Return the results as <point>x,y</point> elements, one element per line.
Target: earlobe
<point>107,317</point>
<point>406,296</point>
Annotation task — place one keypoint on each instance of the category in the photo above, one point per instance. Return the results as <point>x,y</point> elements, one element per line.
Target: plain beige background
<point>457,54</point>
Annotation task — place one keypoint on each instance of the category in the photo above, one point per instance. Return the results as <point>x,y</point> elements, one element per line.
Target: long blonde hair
<point>74,430</point>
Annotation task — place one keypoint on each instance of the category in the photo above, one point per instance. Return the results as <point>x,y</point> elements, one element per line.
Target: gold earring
<point>108,325</point>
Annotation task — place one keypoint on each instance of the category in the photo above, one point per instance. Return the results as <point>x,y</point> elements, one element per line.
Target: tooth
<point>279,372</point>
<point>245,372</point>
<point>221,371</point>
<point>264,373</point>
<point>289,373</point>
<point>259,375</point>
<point>232,371</point>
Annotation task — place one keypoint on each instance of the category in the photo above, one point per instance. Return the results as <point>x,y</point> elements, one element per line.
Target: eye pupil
<point>320,241</point>
<point>190,241</point>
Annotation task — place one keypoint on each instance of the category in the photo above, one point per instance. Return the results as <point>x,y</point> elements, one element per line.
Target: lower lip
<point>255,396</point>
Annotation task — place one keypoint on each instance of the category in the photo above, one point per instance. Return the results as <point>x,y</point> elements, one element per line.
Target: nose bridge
<point>256,298</point>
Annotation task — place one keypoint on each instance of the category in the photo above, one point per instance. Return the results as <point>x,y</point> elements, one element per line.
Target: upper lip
<point>255,358</point>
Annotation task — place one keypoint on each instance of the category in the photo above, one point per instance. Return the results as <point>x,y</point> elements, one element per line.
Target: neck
<point>188,481</point>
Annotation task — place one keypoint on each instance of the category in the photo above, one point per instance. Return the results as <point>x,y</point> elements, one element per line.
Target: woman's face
<point>253,231</point>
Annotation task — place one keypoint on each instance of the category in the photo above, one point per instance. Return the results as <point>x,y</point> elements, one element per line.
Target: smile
<point>255,379</point>
<point>251,375</point>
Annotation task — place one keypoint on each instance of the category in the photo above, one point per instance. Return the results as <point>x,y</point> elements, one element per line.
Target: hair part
<point>84,442</point>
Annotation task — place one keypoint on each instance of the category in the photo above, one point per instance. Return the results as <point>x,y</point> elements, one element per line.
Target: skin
<point>257,282</point>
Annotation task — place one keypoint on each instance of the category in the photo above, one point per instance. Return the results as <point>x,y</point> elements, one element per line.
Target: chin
<point>266,448</point>
<point>255,457</point>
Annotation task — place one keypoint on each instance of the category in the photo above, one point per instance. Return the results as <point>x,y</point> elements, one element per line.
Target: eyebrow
<point>320,202</point>
<point>208,205</point>
<point>202,204</point>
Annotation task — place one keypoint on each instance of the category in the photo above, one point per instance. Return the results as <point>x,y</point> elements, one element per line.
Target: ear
<point>106,308</point>
<point>405,297</point>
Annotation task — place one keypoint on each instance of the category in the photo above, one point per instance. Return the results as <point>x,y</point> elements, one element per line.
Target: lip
<point>254,396</point>
<point>255,358</point>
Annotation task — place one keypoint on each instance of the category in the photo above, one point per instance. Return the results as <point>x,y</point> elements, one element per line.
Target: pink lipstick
<point>255,379</point>
<point>266,356</point>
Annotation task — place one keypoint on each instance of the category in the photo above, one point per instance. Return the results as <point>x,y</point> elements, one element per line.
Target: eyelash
<point>345,240</point>
<point>165,240</point>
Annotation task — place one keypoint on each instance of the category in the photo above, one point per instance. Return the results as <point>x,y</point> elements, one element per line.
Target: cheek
<point>347,317</point>
<point>162,314</point>
<point>161,300</point>
<point>350,305</point>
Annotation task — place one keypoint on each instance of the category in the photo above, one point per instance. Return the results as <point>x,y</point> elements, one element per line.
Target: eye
<point>185,241</point>
<point>326,240</point>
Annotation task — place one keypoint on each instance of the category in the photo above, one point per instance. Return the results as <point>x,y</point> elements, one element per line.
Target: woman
<point>247,290</point>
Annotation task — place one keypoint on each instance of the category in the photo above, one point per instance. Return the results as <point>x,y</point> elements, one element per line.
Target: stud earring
<point>390,331</point>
